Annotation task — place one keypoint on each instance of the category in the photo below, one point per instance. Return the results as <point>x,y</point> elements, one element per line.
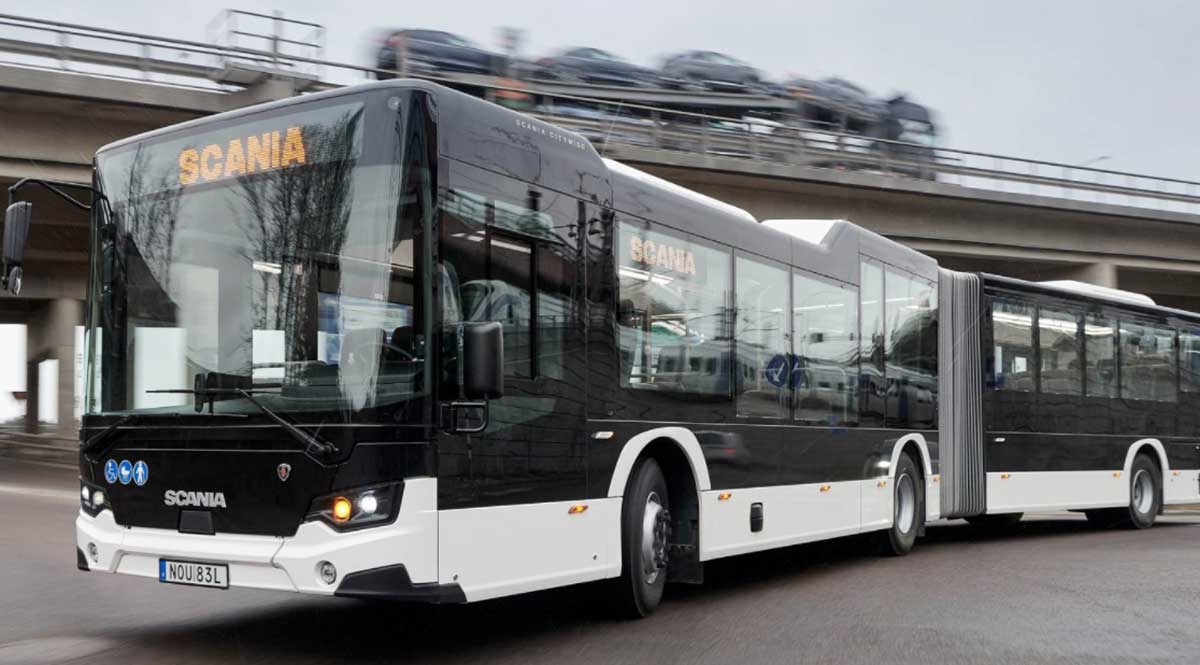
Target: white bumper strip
<point>269,562</point>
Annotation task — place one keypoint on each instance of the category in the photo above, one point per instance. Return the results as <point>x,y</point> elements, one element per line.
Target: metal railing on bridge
<point>618,121</point>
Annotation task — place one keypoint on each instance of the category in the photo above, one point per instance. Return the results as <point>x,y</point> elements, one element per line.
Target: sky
<point>1069,81</point>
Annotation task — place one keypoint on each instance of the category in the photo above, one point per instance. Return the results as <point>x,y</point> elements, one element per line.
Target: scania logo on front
<point>194,499</point>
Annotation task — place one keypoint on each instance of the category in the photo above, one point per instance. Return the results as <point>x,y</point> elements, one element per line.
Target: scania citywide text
<point>393,341</point>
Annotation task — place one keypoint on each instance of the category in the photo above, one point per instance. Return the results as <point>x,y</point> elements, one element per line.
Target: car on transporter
<point>432,52</point>
<point>583,64</point>
<point>361,421</point>
<point>709,70</point>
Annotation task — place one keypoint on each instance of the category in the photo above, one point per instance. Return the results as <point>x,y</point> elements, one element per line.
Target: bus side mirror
<point>483,360</point>
<point>16,230</point>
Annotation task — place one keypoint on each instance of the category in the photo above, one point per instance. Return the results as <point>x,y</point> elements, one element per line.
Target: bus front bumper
<point>397,560</point>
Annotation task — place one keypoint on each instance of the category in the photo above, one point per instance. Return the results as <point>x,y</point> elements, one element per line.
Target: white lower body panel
<point>792,514</point>
<point>505,550</point>
<point>1029,491</point>
<point>1181,486</point>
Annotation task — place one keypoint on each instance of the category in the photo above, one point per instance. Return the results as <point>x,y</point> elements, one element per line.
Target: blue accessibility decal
<point>125,472</point>
<point>110,471</point>
<point>141,473</point>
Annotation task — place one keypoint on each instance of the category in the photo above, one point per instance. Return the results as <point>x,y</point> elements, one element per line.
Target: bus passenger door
<point>513,260</point>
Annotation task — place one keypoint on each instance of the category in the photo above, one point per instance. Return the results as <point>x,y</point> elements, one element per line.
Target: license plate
<point>196,574</point>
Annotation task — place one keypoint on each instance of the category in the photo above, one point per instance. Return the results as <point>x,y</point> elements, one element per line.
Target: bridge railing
<point>790,146</point>
<point>617,121</point>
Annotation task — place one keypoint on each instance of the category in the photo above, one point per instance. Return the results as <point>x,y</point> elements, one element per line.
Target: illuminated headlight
<point>357,508</point>
<point>92,499</point>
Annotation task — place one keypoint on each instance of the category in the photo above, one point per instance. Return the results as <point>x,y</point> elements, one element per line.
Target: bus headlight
<point>357,508</point>
<point>92,498</point>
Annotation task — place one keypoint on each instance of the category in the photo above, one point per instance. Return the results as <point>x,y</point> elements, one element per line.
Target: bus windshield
<point>280,254</point>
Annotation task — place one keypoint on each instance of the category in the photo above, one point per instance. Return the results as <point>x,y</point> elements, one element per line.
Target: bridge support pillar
<point>1099,274</point>
<point>50,353</point>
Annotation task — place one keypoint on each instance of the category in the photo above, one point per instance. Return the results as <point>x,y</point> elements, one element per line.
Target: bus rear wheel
<point>908,513</point>
<point>645,531</point>
<point>1145,499</point>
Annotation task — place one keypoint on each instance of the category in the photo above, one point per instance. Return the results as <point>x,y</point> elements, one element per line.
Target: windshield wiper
<point>99,443</point>
<point>314,446</point>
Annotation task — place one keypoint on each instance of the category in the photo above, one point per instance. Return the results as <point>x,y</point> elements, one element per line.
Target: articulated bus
<point>392,341</point>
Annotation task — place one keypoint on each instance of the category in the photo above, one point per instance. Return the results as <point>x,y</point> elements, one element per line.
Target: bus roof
<point>1096,295</point>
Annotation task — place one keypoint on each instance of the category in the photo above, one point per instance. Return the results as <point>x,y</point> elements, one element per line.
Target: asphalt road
<point>1051,591</point>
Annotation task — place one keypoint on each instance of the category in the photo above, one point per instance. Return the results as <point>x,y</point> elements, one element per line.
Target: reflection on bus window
<point>1058,351</point>
<point>1100,340</point>
<point>1189,361</point>
<point>763,362</point>
<point>489,274</point>
<point>1012,355</point>
<point>872,388</point>
<point>674,333</point>
<point>824,380</point>
<point>1147,362</point>
<point>910,309</point>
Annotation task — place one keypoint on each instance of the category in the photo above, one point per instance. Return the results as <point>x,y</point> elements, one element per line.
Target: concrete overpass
<point>51,123</point>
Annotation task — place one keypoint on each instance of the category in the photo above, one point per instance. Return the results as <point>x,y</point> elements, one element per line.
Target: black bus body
<point>279,367</point>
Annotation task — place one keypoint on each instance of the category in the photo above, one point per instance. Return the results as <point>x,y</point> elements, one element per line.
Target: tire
<point>908,512</point>
<point>1000,521</point>
<point>1145,495</point>
<point>1145,499</point>
<point>645,532</point>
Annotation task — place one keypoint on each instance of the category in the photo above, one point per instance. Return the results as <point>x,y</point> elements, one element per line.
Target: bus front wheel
<point>645,530</point>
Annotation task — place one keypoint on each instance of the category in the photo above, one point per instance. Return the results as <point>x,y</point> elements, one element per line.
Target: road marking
<point>38,492</point>
<point>52,649</point>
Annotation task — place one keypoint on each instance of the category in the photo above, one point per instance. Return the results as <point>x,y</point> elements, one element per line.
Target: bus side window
<point>1189,361</point>
<point>911,313</point>
<point>1059,352</point>
<point>760,331</point>
<point>1147,362</point>
<point>1012,345</point>
<point>872,388</point>
<point>1100,341</point>
<point>825,343</point>
<point>674,312</point>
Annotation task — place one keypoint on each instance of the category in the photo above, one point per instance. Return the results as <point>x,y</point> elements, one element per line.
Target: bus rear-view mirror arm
<point>19,216</point>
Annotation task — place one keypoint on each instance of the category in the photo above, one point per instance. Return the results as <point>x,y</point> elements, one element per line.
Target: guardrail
<point>801,146</point>
<point>617,120</point>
